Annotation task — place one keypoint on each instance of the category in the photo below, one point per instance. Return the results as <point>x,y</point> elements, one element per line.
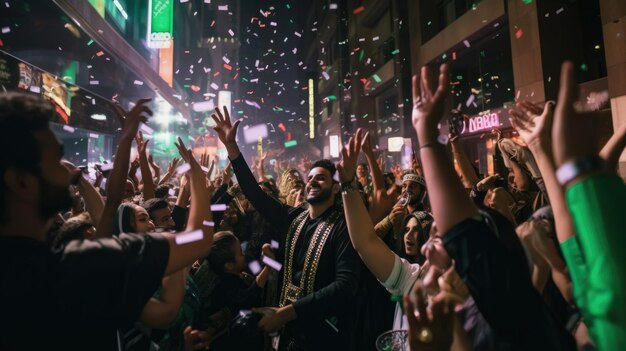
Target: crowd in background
<point>316,255</point>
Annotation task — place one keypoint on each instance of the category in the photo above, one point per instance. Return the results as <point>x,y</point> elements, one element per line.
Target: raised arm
<point>271,209</point>
<point>155,168</point>
<point>159,312</point>
<point>171,169</point>
<point>448,200</point>
<point>144,165</point>
<point>381,201</point>
<point>469,175</point>
<point>375,254</point>
<point>117,178</point>
<point>93,201</point>
<point>614,147</point>
<point>183,253</point>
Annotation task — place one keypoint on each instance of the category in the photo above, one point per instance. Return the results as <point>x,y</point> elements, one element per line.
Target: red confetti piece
<point>99,53</point>
<point>453,55</point>
<point>216,74</point>
<point>212,23</point>
<point>358,10</point>
<point>519,33</point>
<point>282,127</point>
<point>195,88</point>
<point>228,67</point>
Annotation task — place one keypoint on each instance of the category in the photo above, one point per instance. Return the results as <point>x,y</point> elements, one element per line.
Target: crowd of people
<point>346,256</point>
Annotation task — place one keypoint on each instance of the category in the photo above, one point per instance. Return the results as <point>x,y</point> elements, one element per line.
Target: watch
<point>573,169</point>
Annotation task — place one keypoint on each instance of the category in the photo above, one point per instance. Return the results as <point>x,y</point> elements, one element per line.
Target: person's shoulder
<point>104,248</point>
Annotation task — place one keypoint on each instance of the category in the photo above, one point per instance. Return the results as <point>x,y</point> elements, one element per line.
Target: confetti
<point>274,244</point>
<point>332,6</point>
<point>208,223</point>
<point>358,10</point>
<point>218,208</point>
<point>94,135</point>
<point>6,30</point>
<point>191,237</point>
<point>255,267</point>
<point>519,33</point>
<point>94,82</point>
<point>68,129</point>
<point>272,263</point>
<point>467,43</point>
<point>222,7</point>
<point>183,168</point>
<point>138,82</point>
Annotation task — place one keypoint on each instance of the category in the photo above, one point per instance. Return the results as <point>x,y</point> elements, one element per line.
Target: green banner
<point>161,22</point>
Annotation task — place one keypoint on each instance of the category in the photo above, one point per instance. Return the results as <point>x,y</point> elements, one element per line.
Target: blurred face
<point>434,251</point>
<point>163,218</point>
<point>413,188</point>
<point>410,238</point>
<point>143,223</point>
<point>361,172</point>
<point>240,260</point>
<point>54,179</point>
<point>319,186</point>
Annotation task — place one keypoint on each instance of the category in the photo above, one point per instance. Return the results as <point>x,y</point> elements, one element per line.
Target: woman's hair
<point>424,224</point>
<point>222,251</point>
<point>124,220</point>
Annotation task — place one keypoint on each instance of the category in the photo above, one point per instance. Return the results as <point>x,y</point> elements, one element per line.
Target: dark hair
<point>73,229</point>
<point>154,205</point>
<point>326,164</point>
<point>20,115</point>
<point>161,191</point>
<point>222,251</point>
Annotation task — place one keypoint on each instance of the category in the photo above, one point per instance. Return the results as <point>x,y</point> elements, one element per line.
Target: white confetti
<point>272,263</point>
<point>467,43</point>
<point>230,31</point>
<point>215,86</point>
<point>218,208</point>
<point>138,82</point>
<point>94,135</point>
<point>274,244</point>
<point>297,34</point>
<point>326,76</point>
<point>68,129</point>
<point>255,267</point>
<point>332,6</point>
<point>183,168</point>
<point>560,10</point>
<point>191,237</point>
<point>208,223</point>
<point>35,89</point>
<point>94,82</point>
<point>222,8</point>
<point>6,30</point>
<point>225,59</point>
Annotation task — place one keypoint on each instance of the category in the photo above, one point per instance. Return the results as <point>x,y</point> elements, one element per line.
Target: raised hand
<point>380,161</point>
<point>366,146</point>
<point>349,157</point>
<point>130,120</point>
<point>533,123</point>
<point>226,174</point>
<point>429,330</point>
<point>428,107</point>
<point>575,133</point>
<point>141,143</point>
<point>172,166</point>
<point>226,131</point>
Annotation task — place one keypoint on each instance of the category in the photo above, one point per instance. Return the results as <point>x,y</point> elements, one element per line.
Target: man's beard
<point>53,198</point>
<point>322,195</point>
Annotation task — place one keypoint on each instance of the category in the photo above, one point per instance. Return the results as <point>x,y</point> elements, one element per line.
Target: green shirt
<point>598,263</point>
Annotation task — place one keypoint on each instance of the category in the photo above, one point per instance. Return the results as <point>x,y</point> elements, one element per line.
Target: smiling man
<point>320,270</point>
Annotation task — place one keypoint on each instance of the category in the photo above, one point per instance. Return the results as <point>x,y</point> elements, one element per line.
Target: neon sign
<point>488,121</point>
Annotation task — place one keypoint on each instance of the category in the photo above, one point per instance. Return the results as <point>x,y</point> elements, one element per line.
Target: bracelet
<point>431,144</point>
<point>349,186</point>
<point>573,169</point>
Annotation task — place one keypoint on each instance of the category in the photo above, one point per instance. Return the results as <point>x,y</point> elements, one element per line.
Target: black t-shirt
<point>76,297</point>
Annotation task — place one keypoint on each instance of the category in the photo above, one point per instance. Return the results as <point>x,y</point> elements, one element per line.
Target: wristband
<point>349,187</point>
<point>573,169</point>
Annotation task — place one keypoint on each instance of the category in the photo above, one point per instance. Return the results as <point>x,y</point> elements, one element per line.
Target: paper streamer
<point>255,267</point>
<point>272,263</point>
<point>187,238</point>
<point>218,208</point>
<point>183,168</point>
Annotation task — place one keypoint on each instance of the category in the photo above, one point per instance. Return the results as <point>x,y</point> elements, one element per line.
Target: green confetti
<point>395,51</point>
<point>291,143</point>
<point>243,79</point>
<point>90,42</point>
<point>365,115</point>
<point>361,55</point>
<point>584,67</point>
<point>459,77</point>
<point>527,2</point>
<point>332,97</point>
<point>288,6</point>
<point>443,57</point>
<point>429,23</point>
<point>377,78</point>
